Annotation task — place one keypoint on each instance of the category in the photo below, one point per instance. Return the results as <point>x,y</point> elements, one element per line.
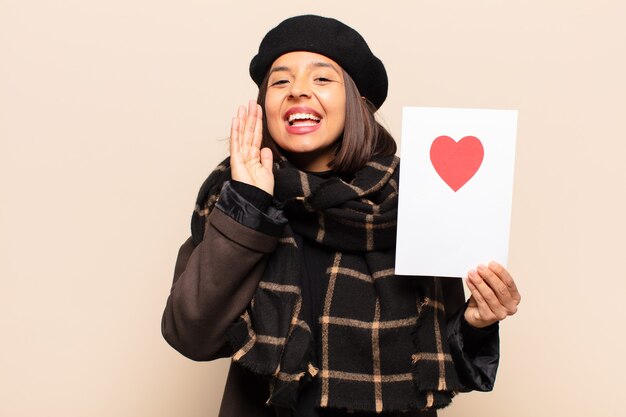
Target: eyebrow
<point>313,64</point>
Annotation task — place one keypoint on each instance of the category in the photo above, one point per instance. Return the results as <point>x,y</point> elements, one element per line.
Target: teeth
<point>303,116</point>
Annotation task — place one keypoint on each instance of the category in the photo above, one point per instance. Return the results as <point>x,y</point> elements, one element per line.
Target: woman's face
<point>305,108</point>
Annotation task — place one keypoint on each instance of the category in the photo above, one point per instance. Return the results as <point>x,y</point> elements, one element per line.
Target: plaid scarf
<point>382,337</point>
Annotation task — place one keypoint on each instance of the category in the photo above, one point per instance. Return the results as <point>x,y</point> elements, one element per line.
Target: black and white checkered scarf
<point>383,344</point>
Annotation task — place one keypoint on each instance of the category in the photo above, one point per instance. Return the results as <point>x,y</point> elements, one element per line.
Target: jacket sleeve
<point>476,352</point>
<point>215,281</point>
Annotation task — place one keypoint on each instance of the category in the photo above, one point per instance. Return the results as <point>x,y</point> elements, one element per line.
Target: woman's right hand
<point>248,162</point>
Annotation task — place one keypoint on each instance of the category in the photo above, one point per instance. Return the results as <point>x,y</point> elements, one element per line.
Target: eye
<point>278,82</point>
<point>323,79</point>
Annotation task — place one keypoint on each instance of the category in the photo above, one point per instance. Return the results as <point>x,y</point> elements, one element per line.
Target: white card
<point>456,186</point>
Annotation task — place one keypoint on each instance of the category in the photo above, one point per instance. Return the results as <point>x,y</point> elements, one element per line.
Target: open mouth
<point>303,119</point>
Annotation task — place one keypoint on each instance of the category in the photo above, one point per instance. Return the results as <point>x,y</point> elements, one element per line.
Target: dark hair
<point>363,136</point>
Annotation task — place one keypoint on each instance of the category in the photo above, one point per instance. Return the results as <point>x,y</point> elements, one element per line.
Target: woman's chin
<point>313,160</point>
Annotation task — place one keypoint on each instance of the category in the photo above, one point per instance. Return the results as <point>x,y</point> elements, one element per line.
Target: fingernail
<point>493,265</point>
<point>482,267</point>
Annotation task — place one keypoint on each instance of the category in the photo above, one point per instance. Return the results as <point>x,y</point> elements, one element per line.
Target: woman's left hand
<point>494,295</point>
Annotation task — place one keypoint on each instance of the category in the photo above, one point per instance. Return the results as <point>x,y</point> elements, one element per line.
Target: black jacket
<point>215,281</point>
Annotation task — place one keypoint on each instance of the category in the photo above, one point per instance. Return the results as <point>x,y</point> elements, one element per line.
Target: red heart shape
<point>456,162</point>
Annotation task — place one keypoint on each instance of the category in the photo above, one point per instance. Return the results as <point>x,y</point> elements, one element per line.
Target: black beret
<point>328,37</point>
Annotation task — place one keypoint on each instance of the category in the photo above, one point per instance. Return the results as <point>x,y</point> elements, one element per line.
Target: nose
<point>300,88</point>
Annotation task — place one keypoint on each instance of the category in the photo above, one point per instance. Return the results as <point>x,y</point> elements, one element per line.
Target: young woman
<point>290,266</point>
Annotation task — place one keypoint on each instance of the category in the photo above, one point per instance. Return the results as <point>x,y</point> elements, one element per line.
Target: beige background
<point>113,112</point>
